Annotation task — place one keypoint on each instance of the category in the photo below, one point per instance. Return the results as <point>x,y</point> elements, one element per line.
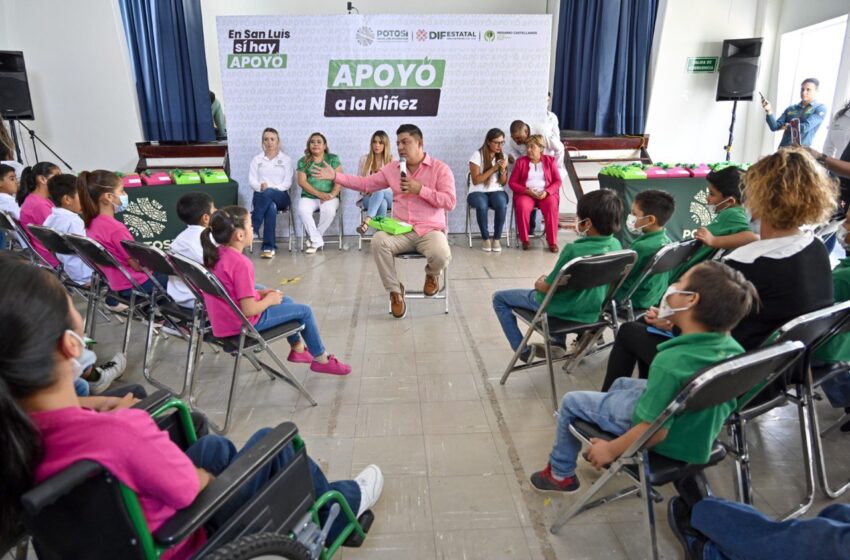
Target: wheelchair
<point>281,521</point>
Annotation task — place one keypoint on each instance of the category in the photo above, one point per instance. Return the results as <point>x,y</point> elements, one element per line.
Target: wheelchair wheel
<point>261,545</point>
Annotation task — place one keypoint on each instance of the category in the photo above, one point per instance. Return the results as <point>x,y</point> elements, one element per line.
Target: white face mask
<point>631,224</point>
<point>579,231</point>
<point>714,207</point>
<point>76,366</point>
<point>841,235</point>
<point>664,309</point>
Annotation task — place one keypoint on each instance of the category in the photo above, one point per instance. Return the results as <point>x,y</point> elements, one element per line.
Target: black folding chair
<point>812,329</point>
<point>154,261</point>
<point>247,343</point>
<point>581,273</point>
<point>666,259</point>
<point>98,259</point>
<point>646,469</point>
<point>18,234</point>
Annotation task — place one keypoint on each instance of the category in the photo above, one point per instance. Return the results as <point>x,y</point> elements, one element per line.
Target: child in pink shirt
<point>227,235</point>
<point>45,427</point>
<point>101,196</point>
<point>36,206</point>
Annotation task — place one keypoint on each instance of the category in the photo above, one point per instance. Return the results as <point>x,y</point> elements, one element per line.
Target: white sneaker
<point>539,350</point>
<point>496,246</point>
<point>117,308</point>
<point>486,245</point>
<point>310,250</point>
<point>371,483</point>
<point>267,254</point>
<point>107,373</point>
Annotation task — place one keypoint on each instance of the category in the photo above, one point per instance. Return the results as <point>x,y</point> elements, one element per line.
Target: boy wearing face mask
<point>650,211</point>
<point>598,218</point>
<point>705,305</point>
<point>730,227</point>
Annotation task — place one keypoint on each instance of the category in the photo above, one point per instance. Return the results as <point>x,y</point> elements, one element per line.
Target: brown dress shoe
<point>432,285</point>
<point>398,307</point>
<point>553,248</point>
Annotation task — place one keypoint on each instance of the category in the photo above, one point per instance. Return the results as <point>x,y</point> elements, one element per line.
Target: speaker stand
<point>34,137</point>
<point>728,146</point>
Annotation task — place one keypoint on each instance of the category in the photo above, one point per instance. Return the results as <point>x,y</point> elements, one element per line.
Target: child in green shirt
<point>705,304</point>
<point>598,214</point>
<point>650,211</point>
<point>730,228</point>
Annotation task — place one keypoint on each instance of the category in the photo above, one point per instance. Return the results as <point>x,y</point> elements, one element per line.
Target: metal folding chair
<point>645,469</point>
<point>290,220</point>
<point>18,234</point>
<point>339,223</point>
<point>509,220</point>
<point>581,273</point>
<point>247,343</point>
<point>812,329</point>
<point>442,293</point>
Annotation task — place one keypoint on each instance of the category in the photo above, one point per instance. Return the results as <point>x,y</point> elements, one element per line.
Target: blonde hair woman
<point>378,202</point>
<point>536,181</point>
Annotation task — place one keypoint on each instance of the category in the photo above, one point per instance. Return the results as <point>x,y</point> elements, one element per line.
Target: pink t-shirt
<point>235,271</point>
<point>130,445</point>
<point>35,210</point>
<point>109,232</point>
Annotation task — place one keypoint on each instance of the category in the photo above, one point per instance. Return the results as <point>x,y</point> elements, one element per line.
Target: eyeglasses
<point>502,143</point>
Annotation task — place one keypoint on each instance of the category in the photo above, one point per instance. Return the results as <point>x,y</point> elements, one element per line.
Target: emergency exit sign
<point>702,64</point>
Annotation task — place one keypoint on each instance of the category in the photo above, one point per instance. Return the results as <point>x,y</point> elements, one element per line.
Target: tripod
<point>33,138</point>
<point>728,146</point>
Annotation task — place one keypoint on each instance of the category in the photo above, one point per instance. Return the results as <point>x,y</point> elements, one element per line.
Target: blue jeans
<point>837,390</point>
<point>287,311</point>
<point>267,204</point>
<point>378,202</point>
<point>498,201</point>
<point>81,387</point>
<point>506,300</point>
<point>736,530</point>
<point>215,453</point>
<point>611,411</point>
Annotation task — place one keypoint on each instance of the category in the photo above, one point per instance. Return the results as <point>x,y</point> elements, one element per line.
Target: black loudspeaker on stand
<point>739,66</point>
<point>16,102</point>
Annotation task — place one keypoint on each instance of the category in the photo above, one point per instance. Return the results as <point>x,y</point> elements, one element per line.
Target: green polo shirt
<point>579,305</point>
<point>305,165</point>
<point>838,348</point>
<point>690,435</point>
<point>650,291</point>
<point>728,221</point>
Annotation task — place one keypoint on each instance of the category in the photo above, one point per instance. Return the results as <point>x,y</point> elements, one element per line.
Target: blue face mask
<point>123,201</point>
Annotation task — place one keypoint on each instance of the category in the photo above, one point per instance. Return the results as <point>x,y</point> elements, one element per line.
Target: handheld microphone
<point>402,164</point>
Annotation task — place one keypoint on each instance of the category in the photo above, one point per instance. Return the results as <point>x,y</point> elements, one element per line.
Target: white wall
<point>213,8</point>
<point>80,79</point>
<point>684,120</point>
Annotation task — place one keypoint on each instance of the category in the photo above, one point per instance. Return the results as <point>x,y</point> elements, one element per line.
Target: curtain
<point>601,64</point>
<point>166,44</point>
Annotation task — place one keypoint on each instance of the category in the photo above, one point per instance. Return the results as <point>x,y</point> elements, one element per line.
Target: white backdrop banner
<point>454,76</point>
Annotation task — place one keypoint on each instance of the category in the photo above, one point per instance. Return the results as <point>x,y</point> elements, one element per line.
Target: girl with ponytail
<point>101,197</point>
<point>36,206</point>
<point>45,427</point>
<point>230,231</point>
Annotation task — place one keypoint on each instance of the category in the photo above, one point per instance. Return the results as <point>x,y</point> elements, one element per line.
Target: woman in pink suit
<point>535,181</point>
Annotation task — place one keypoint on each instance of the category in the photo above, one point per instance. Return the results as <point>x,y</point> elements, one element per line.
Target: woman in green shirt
<point>317,194</point>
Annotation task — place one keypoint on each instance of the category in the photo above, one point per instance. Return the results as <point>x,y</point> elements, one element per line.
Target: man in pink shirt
<point>421,197</point>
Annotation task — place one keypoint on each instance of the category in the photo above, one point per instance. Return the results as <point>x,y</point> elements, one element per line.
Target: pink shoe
<point>333,367</point>
<point>303,357</point>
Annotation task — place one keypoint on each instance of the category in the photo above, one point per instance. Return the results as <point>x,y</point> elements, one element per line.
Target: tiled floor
<point>424,402</point>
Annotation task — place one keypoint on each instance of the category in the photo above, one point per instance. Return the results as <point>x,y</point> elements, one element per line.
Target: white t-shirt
<point>838,136</point>
<point>8,204</point>
<point>188,245</point>
<point>492,185</point>
<point>276,172</point>
<point>536,180</point>
<point>65,221</point>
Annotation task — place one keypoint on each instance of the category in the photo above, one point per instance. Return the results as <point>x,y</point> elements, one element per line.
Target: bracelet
<point>822,159</point>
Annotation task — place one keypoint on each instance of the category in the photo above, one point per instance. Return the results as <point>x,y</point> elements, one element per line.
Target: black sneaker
<point>679,519</point>
<point>545,482</point>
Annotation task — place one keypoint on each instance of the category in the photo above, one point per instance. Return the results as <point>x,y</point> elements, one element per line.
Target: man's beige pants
<point>433,245</point>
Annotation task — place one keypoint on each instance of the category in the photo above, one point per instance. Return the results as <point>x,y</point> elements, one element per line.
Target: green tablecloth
<point>691,204</point>
<point>152,212</point>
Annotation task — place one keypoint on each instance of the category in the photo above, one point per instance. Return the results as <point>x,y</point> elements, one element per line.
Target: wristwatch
<point>822,159</point>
